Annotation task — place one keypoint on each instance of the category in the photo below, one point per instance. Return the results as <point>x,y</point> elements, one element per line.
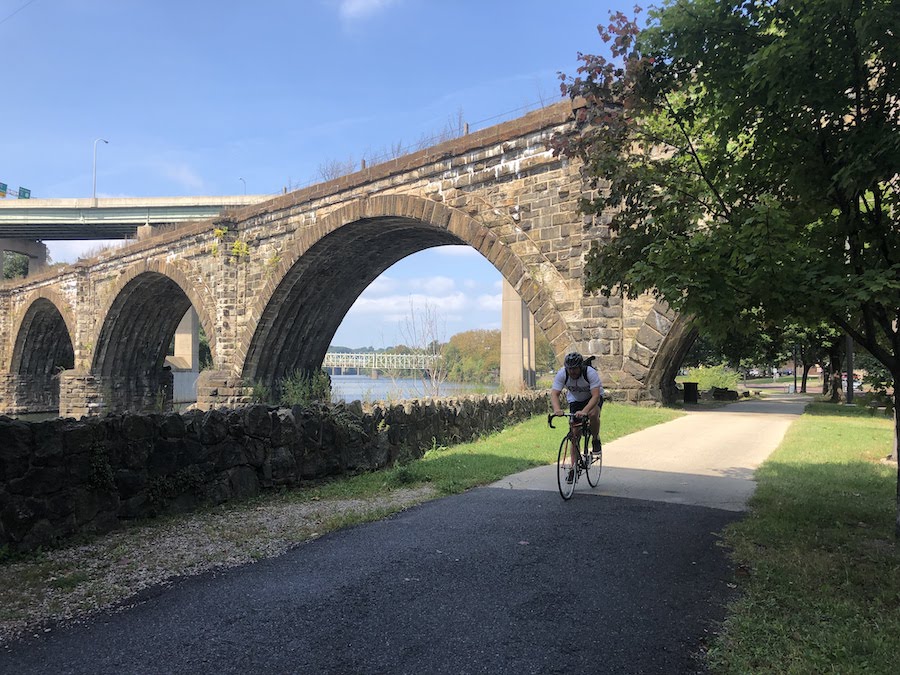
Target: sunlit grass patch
<point>460,467</point>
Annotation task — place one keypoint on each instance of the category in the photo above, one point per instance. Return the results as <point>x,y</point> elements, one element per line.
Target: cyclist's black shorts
<point>575,406</point>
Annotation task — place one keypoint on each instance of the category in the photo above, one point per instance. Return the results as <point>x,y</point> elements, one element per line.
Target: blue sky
<point>195,95</point>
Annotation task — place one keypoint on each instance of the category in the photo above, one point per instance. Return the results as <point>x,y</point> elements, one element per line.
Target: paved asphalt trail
<point>472,583</point>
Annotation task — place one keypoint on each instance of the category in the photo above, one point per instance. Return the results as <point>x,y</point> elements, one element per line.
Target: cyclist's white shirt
<point>580,389</point>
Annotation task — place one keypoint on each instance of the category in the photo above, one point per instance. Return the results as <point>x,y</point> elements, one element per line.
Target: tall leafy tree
<point>745,155</point>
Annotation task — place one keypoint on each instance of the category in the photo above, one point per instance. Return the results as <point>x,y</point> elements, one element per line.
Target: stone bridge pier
<point>271,283</point>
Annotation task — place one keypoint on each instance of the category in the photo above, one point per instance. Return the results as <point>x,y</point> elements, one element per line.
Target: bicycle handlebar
<point>571,416</point>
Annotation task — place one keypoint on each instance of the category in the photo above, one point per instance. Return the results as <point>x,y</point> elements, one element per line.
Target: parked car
<point>857,383</point>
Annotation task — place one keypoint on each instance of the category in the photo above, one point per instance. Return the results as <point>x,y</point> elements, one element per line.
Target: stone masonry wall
<point>499,190</point>
<point>63,477</point>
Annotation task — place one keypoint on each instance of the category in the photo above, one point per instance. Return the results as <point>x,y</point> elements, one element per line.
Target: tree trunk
<point>896,454</point>
<point>806,367</point>
<point>835,354</point>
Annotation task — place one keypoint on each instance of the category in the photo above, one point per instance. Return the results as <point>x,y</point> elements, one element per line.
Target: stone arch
<point>46,317</point>
<point>659,348</point>
<point>131,323</point>
<point>43,348</point>
<point>300,308</point>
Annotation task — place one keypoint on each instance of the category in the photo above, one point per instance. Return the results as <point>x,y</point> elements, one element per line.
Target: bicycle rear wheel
<point>566,473</point>
<point>595,463</point>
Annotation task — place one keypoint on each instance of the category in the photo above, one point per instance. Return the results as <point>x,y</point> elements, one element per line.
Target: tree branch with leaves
<point>750,153</point>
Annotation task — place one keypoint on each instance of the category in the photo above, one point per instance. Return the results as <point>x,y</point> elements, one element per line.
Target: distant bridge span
<point>107,218</point>
<point>379,361</point>
<point>271,282</point>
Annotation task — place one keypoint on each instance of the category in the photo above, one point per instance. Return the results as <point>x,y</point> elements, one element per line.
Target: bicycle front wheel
<point>595,463</point>
<point>566,462</point>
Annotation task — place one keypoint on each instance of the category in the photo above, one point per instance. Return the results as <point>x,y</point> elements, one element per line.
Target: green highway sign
<point>2,189</point>
<point>24,193</point>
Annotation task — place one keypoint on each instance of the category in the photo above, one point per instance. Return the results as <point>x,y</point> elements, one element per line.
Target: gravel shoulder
<point>69,584</point>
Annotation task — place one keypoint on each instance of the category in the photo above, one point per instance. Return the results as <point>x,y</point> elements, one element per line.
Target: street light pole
<point>245,184</point>
<point>94,192</point>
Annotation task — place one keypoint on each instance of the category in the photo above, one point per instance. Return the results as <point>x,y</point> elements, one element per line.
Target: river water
<point>364,388</point>
<point>348,388</point>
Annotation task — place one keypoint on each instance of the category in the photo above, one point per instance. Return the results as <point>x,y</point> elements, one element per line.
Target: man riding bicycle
<point>584,392</point>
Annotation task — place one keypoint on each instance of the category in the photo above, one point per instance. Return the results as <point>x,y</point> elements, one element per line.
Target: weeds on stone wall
<point>272,263</point>
<point>239,250</point>
<point>346,420</point>
<point>303,387</point>
<point>219,234</point>
<point>162,489</point>
<point>260,393</point>
<point>160,401</point>
<point>101,477</point>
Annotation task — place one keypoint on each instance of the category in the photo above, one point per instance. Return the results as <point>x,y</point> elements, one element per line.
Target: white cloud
<point>383,285</point>
<point>396,308</point>
<point>491,303</point>
<point>438,285</point>
<point>352,10</point>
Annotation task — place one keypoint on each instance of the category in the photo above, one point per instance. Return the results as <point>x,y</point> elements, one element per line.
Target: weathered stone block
<point>213,428</point>
<point>257,421</point>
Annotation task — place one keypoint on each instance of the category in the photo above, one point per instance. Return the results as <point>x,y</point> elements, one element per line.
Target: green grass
<point>467,465</point>
<point>818,566</point>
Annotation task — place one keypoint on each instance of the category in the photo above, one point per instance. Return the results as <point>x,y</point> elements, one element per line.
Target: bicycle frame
<point>573,459</point>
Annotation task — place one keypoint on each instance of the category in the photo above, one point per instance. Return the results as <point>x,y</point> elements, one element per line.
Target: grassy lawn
<point>517,448</point>
<point>818,568</point>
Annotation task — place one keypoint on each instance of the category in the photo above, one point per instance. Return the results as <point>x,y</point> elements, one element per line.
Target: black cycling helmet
<point>574,360</point>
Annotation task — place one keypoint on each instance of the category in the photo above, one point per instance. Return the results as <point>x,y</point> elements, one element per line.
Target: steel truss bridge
<point>373,361</point>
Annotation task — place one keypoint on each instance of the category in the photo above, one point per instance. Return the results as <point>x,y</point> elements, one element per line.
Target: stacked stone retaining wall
<point>64,477</point>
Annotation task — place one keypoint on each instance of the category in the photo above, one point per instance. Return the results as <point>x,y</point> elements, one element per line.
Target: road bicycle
<point>576,456</point>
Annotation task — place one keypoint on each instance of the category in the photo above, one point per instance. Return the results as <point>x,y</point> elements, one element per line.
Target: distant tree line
<point>15,265</point>
<point>470,356</point>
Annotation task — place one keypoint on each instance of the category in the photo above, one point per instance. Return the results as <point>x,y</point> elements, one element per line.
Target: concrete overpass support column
<point>146,231</point>
<point>517,362</point>
<point>35,250</point>
<point>187,340</point>
<point>529,362</point>
<point>186,358</point>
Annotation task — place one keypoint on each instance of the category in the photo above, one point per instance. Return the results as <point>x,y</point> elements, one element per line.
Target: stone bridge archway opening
<point>129,361</point>
<point>304,312</point>
<point>667,338</point>
<point>43,349</point>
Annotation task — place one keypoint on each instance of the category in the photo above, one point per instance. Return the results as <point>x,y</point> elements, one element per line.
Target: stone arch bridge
<point>271,283</point>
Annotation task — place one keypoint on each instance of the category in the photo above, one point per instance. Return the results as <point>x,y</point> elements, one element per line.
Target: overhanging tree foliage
<point>749,152</point>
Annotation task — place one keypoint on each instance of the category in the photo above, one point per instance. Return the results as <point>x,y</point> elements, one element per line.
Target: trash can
<point>691,393</point>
